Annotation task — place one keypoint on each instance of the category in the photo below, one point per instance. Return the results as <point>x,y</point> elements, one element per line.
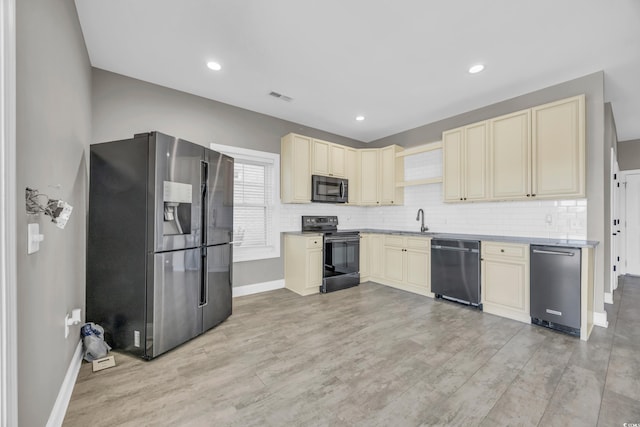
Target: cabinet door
<point>452,165</point>
<point>315,266</point>
<point>387,176</point>
<point>337,160</point>
<point>505,284</point>
<point>475,161</point>
<point>418,269</point>
<point>510,138</point>
<point>352,171</point>
<point>320,157</point>
<point>369,176</point>
<point>394,263</point>
<point>376,254</point>
<point>295,171</point>
<point>558,148</point>
<point>364,257</point>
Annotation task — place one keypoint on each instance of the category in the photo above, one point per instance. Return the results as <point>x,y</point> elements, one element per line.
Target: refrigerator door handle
<point>204,213</point>
<point>204,279</point>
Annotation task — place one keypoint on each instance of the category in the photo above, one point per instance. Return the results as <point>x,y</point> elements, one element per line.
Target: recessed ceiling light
<point>476,68</point>
<point>359,118</point>
<point>214,66</point>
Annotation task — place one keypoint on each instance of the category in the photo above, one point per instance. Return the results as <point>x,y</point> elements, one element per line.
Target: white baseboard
<point>64,395</point>
<point>256,288</point>
<point>600,319</point>
<point>608,297</point>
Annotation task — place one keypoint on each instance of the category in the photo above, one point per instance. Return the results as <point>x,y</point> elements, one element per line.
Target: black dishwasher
<point>555,288</point>
<point>455,270</point>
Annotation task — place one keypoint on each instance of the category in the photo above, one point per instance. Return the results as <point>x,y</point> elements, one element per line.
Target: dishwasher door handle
<point>540,251</point>
<point>453,248</point>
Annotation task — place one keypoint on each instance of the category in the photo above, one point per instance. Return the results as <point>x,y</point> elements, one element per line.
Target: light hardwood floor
<point>374,356</point>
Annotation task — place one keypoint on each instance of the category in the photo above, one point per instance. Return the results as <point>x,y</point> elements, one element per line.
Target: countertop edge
<point>481,237</point>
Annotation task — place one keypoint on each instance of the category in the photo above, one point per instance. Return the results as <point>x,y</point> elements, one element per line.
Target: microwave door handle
<point>341,189</point>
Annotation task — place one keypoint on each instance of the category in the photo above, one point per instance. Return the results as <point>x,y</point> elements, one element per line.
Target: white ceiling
<point>400,63</point>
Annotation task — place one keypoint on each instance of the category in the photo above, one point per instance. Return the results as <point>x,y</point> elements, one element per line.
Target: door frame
<point>8,270</point>
<point>616,231</point>
<point>623,217</point>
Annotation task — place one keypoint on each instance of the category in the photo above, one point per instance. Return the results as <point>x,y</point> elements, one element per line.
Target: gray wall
<point>598,153</point>
<point>629,155</point>
<point>53,133</point>
<point>123,106</point>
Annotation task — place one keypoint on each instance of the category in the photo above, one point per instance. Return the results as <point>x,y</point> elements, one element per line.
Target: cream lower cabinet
<point>303,263</point>
<point>505,280</point>
<point>364,257</point>
<point>407,263</point>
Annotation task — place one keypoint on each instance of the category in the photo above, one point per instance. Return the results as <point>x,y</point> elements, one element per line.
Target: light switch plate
<point>104,363</point>
<point>33,238</point>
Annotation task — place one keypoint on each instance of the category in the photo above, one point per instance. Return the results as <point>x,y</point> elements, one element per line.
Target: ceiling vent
<point>281,96</point>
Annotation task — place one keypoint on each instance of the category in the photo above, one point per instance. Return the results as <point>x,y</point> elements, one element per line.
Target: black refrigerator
<point>159,251</point>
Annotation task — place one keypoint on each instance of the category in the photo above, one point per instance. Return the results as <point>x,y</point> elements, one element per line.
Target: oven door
<point>328,189</point>
<point>341,263</point>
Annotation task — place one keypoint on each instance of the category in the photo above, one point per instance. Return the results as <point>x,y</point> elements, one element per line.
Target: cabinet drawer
<point>397,241</point>
<point>504,250</point>
<point>418,243</point>
<point>314,242</point>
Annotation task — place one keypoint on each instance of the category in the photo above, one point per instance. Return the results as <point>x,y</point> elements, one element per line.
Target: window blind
<point>253,203</point>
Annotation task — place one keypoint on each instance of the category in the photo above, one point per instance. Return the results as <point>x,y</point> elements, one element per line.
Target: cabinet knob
<point>461,198</point>
<point>533,195</point>
<point>528,195</point>
<point>501,250</point>
<point>315,241</point>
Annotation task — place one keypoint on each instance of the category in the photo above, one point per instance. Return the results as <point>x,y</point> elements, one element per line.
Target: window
<point>255,195</point>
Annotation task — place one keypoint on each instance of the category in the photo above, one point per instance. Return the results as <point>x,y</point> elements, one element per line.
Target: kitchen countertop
<point>505,239</point>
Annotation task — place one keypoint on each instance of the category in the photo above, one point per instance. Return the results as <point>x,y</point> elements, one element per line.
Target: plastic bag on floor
<point>93,342</point>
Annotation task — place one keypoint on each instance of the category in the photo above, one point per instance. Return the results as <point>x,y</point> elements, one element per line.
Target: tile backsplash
<point>560,219</point>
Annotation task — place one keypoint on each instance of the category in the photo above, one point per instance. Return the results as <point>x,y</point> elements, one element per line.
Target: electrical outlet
<point>548,219</point>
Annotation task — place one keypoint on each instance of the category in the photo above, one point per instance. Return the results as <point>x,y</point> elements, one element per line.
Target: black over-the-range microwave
<point>329,189</point>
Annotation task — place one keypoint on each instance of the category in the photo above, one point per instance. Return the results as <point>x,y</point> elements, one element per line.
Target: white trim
<point>8,269</point>
<point>256,288</point>
<point>64,395</point>
<point>241,254</point>
<point>600,319</point>
<point>608,297</point>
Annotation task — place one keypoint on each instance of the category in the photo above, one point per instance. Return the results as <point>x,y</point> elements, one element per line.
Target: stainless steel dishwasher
<point>555,288</point>
<point>455,270</point>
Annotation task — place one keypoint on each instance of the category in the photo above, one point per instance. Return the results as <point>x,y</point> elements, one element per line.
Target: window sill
<point>244,254</point>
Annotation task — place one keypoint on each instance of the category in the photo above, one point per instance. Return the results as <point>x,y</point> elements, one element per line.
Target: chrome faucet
<point>423,228</point>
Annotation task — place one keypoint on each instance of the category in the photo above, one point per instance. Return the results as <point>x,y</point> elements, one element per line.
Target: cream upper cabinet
<point>475,161</point>
<point>320,157</point>
<point>295,169</point>
<point>328,159</point>
<point>465,163</point>
<point>337,162</point>
<point>369,176</point>
<point>505,280</point>
<point>352,168</point>
<point>391,172</point>
<point>509,150</point>
<point>452,165</point>
<point>558,148</point>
